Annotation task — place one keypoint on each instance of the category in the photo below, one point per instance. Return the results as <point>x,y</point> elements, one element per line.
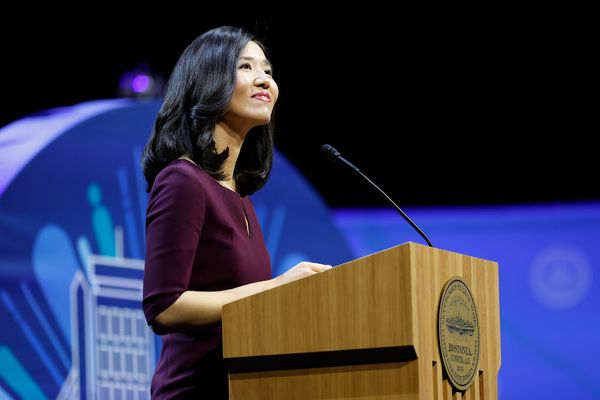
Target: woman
<point>211,147</point>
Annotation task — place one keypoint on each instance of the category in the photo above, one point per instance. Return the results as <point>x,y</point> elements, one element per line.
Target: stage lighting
<point>141,82</point>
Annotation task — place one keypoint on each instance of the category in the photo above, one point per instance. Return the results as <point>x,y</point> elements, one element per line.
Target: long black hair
<point>196,98</point>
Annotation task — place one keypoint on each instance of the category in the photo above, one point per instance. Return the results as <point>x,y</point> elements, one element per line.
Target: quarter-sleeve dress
<point>196,239</point>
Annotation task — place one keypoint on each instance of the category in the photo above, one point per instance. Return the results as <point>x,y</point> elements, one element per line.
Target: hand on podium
<point>299,271</point>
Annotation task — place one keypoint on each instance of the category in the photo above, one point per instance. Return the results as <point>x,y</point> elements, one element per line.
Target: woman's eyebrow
<point>264,60</point>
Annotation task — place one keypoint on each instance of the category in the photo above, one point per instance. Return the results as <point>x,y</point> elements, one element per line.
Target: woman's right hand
<point>299,271</point>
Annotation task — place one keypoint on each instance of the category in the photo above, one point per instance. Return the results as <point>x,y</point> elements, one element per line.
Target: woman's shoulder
<point>182,174</point>
<point>182,168</point>
<point>179,189</point>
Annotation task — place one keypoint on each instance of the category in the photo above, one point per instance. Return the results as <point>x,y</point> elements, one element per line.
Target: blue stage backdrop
<point>549,263</point>
<point>72,213</point>
<point>72,205</point>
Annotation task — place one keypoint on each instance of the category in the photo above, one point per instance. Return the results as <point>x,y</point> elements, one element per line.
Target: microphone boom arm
<point>329,150</point>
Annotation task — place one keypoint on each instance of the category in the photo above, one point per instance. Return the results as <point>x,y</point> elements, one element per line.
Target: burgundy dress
<point>196,239</point>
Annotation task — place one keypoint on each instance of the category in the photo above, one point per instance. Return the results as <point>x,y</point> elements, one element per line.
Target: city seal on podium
<point>458,331</point>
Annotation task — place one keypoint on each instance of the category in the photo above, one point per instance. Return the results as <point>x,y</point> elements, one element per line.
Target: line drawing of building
<point>112,347</point>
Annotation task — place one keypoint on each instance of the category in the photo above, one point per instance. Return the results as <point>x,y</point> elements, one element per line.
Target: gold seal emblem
<point>458,331</point>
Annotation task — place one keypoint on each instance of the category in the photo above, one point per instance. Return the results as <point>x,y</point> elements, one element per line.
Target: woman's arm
<point>194,310</point>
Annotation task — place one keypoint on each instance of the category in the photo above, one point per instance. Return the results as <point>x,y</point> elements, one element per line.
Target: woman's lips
<point>262,96</point>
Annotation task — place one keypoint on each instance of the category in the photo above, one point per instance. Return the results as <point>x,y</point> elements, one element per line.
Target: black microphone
<point>332,152</point>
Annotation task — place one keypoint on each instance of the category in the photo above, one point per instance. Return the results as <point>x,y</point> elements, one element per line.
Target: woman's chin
<point>262,121</point>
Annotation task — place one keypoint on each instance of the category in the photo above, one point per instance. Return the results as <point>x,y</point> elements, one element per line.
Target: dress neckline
<point>223,187</point>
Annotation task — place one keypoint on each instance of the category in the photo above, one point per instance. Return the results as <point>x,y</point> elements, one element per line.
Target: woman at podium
<point>211,148</point>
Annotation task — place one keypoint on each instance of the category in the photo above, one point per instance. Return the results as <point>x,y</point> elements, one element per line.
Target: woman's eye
<point>245,66</point>
<point>269,72</point>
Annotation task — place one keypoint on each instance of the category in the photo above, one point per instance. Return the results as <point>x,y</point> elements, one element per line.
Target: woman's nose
<point>262,81</point>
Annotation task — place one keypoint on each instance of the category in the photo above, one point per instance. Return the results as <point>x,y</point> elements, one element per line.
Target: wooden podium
<point>366,329</point>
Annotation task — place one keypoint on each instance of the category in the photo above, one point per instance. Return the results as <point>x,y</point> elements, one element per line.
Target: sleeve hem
<point>158,304</point>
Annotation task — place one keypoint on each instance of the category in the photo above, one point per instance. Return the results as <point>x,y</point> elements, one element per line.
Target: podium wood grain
<point>377,313</point>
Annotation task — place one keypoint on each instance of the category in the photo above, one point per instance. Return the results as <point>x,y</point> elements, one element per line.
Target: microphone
<point>333,153</point>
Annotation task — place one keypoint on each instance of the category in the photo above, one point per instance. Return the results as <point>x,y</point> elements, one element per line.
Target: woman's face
<point>255,91</point>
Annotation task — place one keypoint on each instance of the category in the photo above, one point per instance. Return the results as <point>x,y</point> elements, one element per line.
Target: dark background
<point>437,110</point>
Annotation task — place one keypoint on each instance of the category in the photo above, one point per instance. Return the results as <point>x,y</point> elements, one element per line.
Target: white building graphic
<point>112,348</point>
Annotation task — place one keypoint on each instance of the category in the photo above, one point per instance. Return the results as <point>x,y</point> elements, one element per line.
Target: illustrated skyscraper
<point>113,349</point>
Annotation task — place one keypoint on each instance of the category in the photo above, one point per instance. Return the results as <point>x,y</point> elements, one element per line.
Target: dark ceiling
<point>437,112</point>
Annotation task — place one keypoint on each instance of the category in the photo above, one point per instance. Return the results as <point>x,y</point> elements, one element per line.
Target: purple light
<point>140,83</point>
